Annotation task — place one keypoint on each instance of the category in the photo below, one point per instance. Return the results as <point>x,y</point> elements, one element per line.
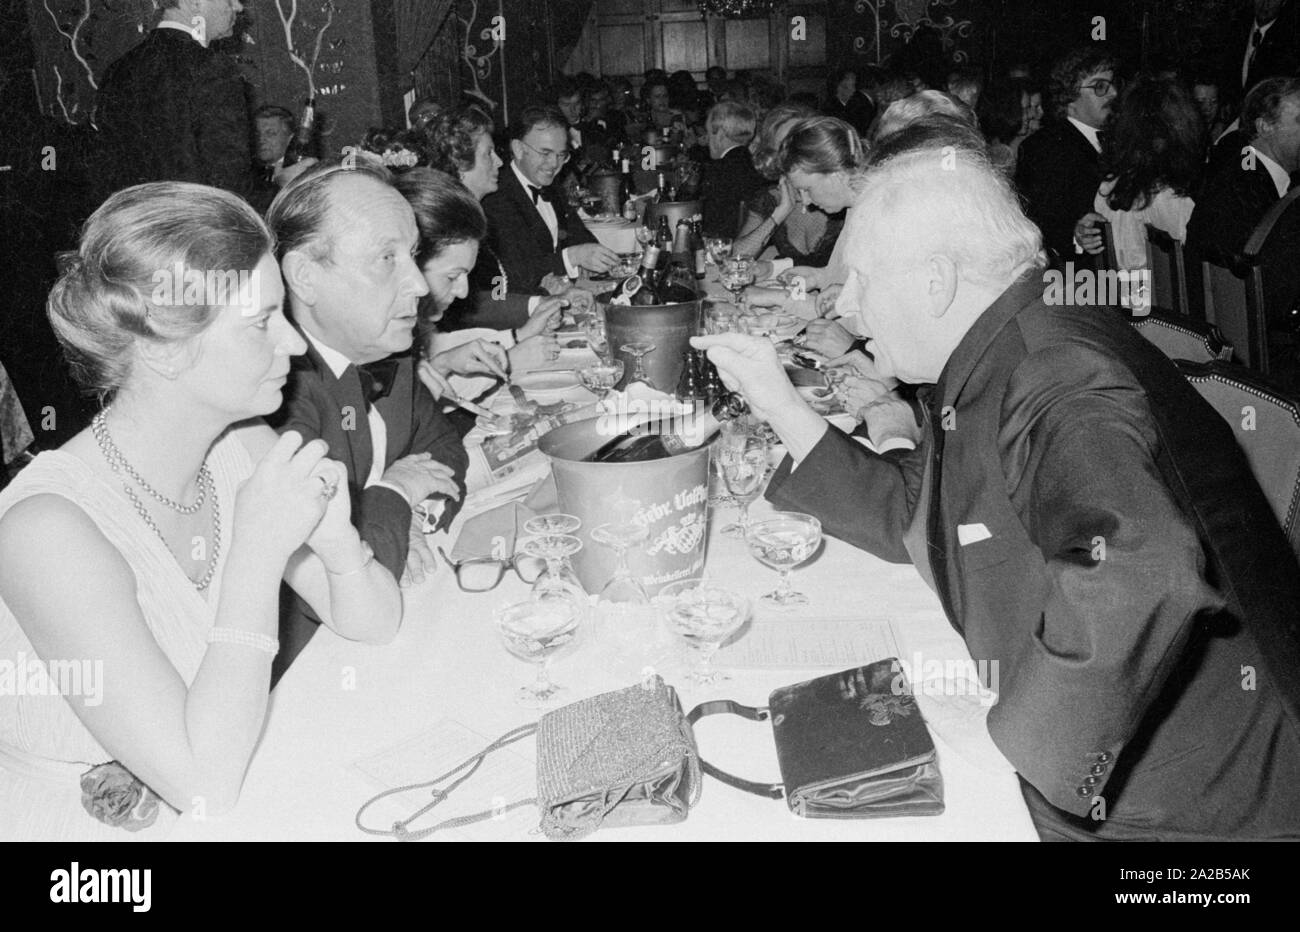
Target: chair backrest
<point>1234,302</point>
<point>1168,272</point>
<point>1108,259</point>
<point>1266,423</point>
<point>1182,338</point>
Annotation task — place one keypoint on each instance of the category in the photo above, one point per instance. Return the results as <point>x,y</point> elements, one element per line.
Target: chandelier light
<point>738,9</point>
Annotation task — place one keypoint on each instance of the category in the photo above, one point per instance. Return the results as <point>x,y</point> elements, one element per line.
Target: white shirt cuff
<point>570,269</point>
<point>536,300</point>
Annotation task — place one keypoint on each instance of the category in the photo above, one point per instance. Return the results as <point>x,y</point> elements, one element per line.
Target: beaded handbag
<point>626,757</point>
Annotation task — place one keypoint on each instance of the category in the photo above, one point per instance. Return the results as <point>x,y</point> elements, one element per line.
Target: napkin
<point>492,533</point>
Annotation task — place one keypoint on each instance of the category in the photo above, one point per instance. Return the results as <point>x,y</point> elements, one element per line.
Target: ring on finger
<point>328,489</point>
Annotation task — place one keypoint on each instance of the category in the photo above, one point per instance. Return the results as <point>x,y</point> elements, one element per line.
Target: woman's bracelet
<point>369,558</point>
<point>242,638</point>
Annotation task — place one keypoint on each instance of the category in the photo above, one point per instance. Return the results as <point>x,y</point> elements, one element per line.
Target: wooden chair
<point>1244,293</point>
<point>1168,272</point>
<point>1181,338</point>
<point>1266,423</point>
<point>1109,259</point>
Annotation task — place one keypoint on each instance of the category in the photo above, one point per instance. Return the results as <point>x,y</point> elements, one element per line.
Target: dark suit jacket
<point>1057,174</point>
<point>519,237</point>
<point>1132,574</point>
<point>858,112</point>
<point>724,183</point>
<point>1231,205</point>
<point>1278,55</point>
<point>171,110</point>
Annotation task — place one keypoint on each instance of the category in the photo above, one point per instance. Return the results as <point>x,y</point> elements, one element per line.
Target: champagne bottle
<point>646,290</point>
<point>301,140</point>
<point>699,266</point>
<point>682,239</point>
<point>659,439</point>
<point>688,387</point>
<point>662,193</point>
<point>664,236</point>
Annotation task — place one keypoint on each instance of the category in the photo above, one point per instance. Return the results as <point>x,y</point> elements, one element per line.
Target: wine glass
<point>534,631</point>
<point>743,451</point>
<point>644,236</point>
<point>620,535</point>
<point>553,523</point>
<point>703,614</point>
<point>638,351</point>
<point>718,249</point>
<point>593,328</point>
<point>782,542</point>
<point>558,582</point>
<point>736,274</point>
<point>600,378</point>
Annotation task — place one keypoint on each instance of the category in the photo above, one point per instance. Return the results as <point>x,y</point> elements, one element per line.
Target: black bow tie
<point>543,193</point>
<point>377,379</point>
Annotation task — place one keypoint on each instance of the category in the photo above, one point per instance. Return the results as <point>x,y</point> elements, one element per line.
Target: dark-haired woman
<point>148,551</point>
<point>1151,163</point>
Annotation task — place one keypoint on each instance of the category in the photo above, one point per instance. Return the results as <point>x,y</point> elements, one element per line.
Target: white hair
<point>951,202</point>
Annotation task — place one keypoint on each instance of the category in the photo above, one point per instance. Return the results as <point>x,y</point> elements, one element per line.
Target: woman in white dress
<point>140,564</point>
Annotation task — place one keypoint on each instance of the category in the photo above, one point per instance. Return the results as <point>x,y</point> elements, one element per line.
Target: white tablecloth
<point>447,675</point>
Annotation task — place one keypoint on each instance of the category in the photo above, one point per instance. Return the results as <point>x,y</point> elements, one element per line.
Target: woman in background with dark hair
<point>845,103</point>
<point>1004,122</point>
<point>1151,163</point>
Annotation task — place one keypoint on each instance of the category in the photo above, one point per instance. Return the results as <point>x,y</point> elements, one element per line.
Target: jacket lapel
<point>528,210</point>
<point>349,407</point>
<point>395,409</point>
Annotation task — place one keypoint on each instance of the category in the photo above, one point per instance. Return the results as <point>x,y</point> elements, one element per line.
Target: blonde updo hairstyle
<point>104,300</point>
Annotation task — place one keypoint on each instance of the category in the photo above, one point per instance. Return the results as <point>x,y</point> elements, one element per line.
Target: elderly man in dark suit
<point>345,240</point>
<point>730,178</point>
<point>1262,42</point>
<point>1086,519</point>
<point>174,109</point>
<point>1057,171</point>
<point>530,230</point>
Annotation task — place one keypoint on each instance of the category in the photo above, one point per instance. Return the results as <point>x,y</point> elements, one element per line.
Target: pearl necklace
<point>207,486</point>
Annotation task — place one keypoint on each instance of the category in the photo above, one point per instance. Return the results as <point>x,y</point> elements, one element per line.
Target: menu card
<point>803,644</point>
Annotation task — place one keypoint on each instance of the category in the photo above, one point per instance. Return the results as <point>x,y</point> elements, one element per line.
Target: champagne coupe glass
<point>744,452</point>
<point>644,236</point>
<point>535,631</point>
<point>638,351</point>
<point>620,535</point>
<point>736,274</point>
<point>558,580</point>
<point>600,378</point>
<point>703,614</point>
<point>556,523</point>
<point>594,329</point>
<point>782,542</point>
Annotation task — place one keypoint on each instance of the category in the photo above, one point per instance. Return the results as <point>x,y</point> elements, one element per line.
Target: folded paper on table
<point>504,456</point>
<point>492,533</point>
<point>806,644</point>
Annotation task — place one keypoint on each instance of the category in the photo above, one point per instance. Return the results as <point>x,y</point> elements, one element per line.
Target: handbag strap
<point>754,714</point>
<point>400,829</point>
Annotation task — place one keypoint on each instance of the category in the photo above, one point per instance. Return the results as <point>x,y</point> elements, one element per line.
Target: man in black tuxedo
<point>530,230</point>
<point>602,127</point>
<point>1252,180</point>
<point>729,178</point>
<point>1263,42</point>
<point>1088,521</point>
<point>173,109</point>
<point>1057,172</point>
<point>345,240</point>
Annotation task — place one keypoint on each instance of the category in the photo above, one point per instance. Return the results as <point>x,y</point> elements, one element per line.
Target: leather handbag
<point>851,745</point>
<point>626,757</point>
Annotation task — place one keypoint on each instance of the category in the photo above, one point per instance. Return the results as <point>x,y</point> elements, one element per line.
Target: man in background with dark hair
<point>174,109</point>
<point>531,231</point>
<point>1058,170</point>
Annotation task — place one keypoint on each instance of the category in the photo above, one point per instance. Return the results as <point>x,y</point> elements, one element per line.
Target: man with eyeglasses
<point>1058,170</point>
<point>532,232</point>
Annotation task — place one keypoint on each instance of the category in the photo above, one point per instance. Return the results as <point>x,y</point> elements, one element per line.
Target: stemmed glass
<point>782,542</point>
<point>620,535</point>
<point>743,451</point>
<point>638,351</point>
<point>559,580</point>
<point>601,377</point>
<point>718,249</point>
<point>644,236</point>
<point>534,631</point>
<point>736,274</point>
<point>594,329</point>
<point>703,614</point>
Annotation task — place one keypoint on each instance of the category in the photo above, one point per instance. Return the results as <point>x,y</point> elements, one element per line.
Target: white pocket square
<point>968,534</point>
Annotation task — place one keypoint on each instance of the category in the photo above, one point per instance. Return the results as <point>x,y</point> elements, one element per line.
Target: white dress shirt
<point>1089,132</point>
<point>549,217</point>
<point>338,363</point>
<point>191,31</point>
<point>1281,180</point>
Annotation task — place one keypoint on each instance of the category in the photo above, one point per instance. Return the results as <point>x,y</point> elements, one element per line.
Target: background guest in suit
<point>845,101</point>
<point>1263,42</point>
<point>1057,171</point>
<point>1236,199</point>
<point>602,127</point>
<point>531,231</point>
<point>1052,432</point>
<point>273,127</point>
<point>729,179</point>
<point>173,109</point>
<point>346,241</point>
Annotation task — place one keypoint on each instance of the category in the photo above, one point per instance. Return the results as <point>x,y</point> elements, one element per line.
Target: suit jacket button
<point>1083,792</point>
<point>1098,769</point>
<point>1090,781</point>
<point>1104,757</point>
